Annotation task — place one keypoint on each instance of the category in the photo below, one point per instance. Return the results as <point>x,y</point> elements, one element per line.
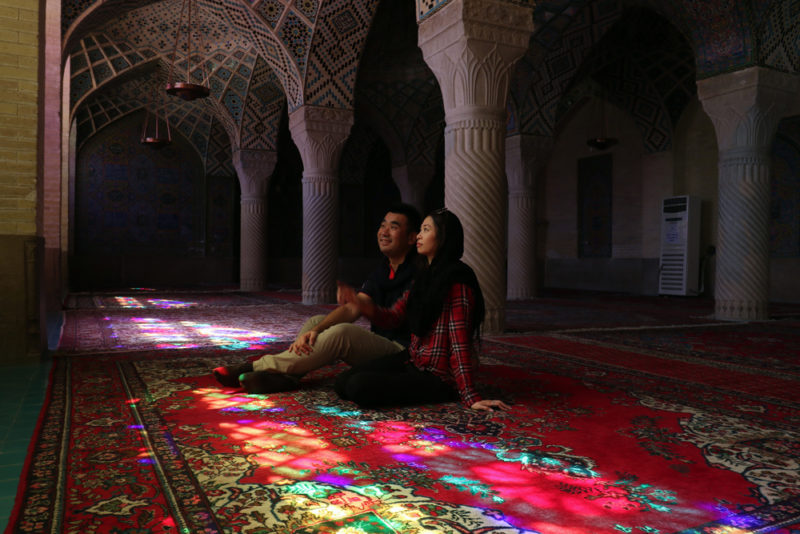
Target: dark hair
<point>411,213</point>
<point>449,236</point>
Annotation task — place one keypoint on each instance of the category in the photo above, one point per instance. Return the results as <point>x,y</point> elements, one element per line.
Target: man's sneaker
<point>229,376</point>
<point>268,382</point>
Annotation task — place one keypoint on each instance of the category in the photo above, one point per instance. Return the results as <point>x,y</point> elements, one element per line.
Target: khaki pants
<point>345,341</point>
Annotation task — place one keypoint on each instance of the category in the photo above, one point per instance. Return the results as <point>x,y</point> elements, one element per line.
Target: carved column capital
<point>254,169</point>
<point>320,134</point>
<point>471,46</point>
<point>746,106</point>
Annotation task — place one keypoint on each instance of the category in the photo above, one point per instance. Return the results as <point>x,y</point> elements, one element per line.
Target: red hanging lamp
<point>188,89</point>
<point>153,135</point>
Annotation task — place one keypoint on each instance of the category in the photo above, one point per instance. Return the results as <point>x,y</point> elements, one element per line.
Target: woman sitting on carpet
<point>445,310</point>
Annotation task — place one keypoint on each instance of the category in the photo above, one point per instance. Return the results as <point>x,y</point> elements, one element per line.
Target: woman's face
<point>427,243</point>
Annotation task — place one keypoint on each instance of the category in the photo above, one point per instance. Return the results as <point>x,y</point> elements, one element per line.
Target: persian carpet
<point>147,442</point>
<point>98,330</point>
<point>570,310</point>
<point>769,346</point>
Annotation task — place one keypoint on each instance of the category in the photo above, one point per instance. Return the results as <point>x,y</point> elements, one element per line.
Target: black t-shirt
<point>385,292</point>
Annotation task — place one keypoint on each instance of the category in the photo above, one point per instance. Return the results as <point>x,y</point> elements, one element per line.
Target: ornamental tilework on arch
<point>333,60</point>
<point>296,36</point>
<point>270,11</point>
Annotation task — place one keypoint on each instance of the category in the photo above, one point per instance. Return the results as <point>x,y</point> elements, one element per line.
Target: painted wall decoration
<point>133,199</point>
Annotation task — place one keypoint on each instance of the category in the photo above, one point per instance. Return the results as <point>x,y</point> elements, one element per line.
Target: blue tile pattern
<point>270,11</point>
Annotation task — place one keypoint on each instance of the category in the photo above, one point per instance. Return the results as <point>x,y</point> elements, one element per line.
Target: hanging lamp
<point>187,89</point>
<point>152,133</point>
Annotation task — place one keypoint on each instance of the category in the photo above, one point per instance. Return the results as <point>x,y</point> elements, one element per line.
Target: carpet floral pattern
<point>148,442</point>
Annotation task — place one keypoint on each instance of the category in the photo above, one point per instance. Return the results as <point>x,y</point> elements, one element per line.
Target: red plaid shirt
<point>446,350</point>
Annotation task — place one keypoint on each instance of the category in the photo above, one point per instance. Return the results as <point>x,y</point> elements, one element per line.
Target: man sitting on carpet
<point>326,338</point>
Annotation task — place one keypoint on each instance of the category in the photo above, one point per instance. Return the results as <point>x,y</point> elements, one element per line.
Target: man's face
<point>395,238</point>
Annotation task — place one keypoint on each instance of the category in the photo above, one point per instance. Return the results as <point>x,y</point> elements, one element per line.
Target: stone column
<point>254,168</point>
<point>525,157</point>
<point>471,47</point>
<point>745,107</point>
<point>319,134</point>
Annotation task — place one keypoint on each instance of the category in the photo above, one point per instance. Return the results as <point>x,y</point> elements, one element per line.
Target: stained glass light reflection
<point>191,334</point>
<point>134,302</point>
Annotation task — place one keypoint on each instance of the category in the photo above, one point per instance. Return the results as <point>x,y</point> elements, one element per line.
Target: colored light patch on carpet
<point>586,449</point>
<point>189,334</point>
<point>132,329</point>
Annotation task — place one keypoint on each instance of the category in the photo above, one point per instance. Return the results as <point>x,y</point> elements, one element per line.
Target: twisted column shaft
<point>319,134</point>
<point>524,153</point>
<point>254,169</point>
<point>743,251</point>
<point>320,237</point>
<point>471,45</point>
<point>475,190</point>
<point>745,107</point>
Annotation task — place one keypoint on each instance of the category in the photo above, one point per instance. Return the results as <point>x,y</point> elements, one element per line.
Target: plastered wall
<point>20,249</point>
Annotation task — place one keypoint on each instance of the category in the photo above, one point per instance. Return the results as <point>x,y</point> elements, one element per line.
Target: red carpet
<point>766,347</point>
<point>710,369</point>
<point>147,442</point>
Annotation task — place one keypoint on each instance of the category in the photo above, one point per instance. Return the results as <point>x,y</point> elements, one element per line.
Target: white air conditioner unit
<point>679,268</point>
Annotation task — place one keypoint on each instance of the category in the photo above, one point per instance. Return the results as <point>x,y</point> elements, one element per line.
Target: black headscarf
<point>433,282</point>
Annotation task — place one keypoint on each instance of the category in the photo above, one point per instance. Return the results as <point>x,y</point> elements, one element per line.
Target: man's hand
<point>304,343</point>
<point>345,294</point>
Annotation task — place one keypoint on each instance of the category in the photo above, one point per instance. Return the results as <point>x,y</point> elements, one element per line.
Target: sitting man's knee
<point>312,321</point>
<point>341,333</point>
<point>343,328</point>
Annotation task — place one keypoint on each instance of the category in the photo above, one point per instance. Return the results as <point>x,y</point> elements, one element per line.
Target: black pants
<point>392,380</point>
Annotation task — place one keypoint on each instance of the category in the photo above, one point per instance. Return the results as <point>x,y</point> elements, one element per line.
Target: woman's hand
<point>490,405</point>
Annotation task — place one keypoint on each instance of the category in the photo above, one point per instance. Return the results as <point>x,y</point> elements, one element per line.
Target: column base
<point>494,321</point>
<point>522,294</point>
<point>740,310</point>
<point>319,296</point>
<point>251,285</point>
